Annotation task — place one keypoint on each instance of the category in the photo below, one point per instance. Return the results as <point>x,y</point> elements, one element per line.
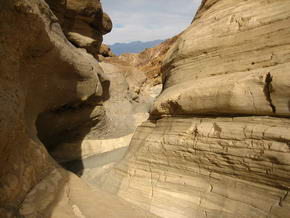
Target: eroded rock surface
<point>106,51</point>
<point>84,17</point>
<point>50,92</point>
<point>231,61</point>
<point>39,72</point>
<point>217,144</point>
<point>207,167</point>
<point>75,199</point>
<point>84,22</point>
<point>126,108</point>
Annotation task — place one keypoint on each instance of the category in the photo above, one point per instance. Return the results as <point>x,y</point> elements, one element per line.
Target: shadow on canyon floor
<point>63,129</point>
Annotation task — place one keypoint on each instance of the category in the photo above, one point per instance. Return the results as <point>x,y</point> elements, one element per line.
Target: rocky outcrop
<point>50,92</point>
<point>92,46</point>
<point>84,17</point>
<point>105,51</point>
<point>217,143</point>
<point>84,22</point>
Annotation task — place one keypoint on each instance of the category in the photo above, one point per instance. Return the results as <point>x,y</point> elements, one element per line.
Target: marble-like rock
<point>233,60</point>
<point>217,142</point>
<point>207,167</point>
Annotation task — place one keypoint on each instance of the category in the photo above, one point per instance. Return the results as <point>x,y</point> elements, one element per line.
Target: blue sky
<point>146,20</point>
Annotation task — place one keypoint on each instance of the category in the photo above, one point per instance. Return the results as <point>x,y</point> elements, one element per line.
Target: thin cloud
<point>146,20</point>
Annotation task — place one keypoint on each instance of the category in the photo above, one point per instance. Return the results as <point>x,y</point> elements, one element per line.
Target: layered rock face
<point>240,57</point>
<point>207,167</point>
<point>217,143</point>
<point>50,92</point>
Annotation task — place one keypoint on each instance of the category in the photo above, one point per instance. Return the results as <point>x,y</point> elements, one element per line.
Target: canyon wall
<point>50,93</point>
<point>217,143</point>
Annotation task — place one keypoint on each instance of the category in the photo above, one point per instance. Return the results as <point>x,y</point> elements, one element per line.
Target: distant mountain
<point>133,47</point>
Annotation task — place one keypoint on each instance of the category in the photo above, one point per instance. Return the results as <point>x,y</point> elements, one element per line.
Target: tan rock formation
<point>48,92</point>
<point>75,199</point>
<point>106,51</point>
<point>107,142</point>
<point>208,150</point>
<point>236,63</point>
<point>39,72</point>
<point>111,131</point>
<point>84,22</point>
<point>92,46</point>
<point>217,143</point>
<point>85,17</point>
<point>207,167</point>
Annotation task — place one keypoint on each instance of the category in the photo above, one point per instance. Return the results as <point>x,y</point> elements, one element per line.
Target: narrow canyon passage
<point>195,127</point>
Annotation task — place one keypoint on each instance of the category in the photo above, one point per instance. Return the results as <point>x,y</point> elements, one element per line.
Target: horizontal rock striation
<point>217,143</point>
<point>75,199</point>
<point>231,60</point>
<point>207,167</point>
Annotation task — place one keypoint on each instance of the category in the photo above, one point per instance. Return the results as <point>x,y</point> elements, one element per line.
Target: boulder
<point>84,17</point>
<point>105,51</point>
<point>83,22</point>
<point>92,46</point>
